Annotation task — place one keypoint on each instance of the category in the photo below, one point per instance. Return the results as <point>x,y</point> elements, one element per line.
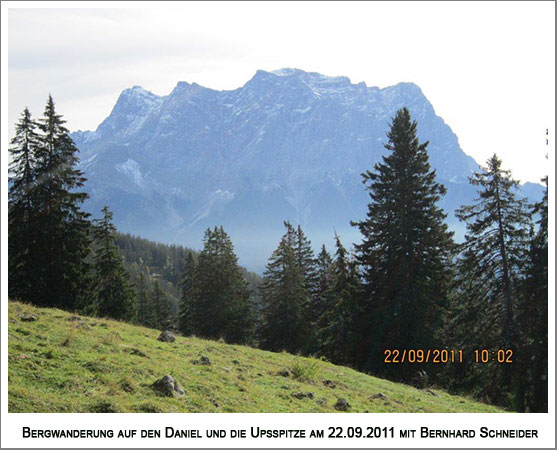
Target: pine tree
<point>340,332</point>
<point>321,300</point>
<point>114,296</point>
<point>144,309</point>
<point>495,245</point>
<point>406,251</point>
<point>221,303</point>
<point>21,215</point>
<point>489,270</point>
<point>187,300</point>
<point>285,297</point>
<point>54,260</point>
<point>532,352</point>
<point>161,308</point>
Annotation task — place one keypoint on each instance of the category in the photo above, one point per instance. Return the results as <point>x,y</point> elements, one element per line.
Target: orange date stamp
<point>445,356</point>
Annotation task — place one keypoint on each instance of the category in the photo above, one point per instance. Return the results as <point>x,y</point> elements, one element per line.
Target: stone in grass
<point>321,401</point>
<point>283,373</point>
<point>166,336</point>
<point>342,405</point>
<point>202,361</point>
<point>167,387</point>
<point>379,395</point>
<point>136,351</point>
<point>28,318</point>
<point>329,383</point>
<point>301,395</point>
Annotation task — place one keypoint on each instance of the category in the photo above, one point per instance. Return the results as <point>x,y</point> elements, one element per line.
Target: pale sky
<point>487,68</point>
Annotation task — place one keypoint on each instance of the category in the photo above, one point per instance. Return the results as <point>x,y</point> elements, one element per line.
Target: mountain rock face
<point>288,145</point>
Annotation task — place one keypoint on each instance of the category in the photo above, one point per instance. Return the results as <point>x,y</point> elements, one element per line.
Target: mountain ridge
<point>287,145</point>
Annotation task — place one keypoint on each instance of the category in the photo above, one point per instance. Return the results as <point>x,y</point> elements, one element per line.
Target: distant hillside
<point>58,362</point>
<point>164,263</point>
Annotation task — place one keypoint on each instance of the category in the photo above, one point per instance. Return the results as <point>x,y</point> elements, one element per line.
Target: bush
<point>305,370</point>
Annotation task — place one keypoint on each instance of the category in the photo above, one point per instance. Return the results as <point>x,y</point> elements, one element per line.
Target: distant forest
<point>406,303</point>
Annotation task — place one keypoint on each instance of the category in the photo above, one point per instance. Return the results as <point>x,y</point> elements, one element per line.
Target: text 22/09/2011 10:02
<point>444,356</point>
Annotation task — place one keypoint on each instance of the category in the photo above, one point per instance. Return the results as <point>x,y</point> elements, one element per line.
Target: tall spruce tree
<point>531,384</point>
<point>54,258</point>
<point>286,296</point>
<point>221,306</point>
<point>187,299</point>
<point>144,308</point>
<point>406,251</point>
<point>339,333</point>
<point>489,270</point>
<point>321,300</point>
<point>114,295</point>
<point>495,246</point>
<point>22,218</point>
<point>162,313</point>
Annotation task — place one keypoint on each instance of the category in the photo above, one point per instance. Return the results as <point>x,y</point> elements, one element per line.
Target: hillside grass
<point>58,363</point>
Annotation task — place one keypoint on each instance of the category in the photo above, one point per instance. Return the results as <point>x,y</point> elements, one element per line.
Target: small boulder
<point>321,401</point>
<point>166,336</point>
<point>301,395</point>
<point>283,373</point>
<point>379,395</point>
<point>136,351</point>
<point>167,387</point>
<point>28,318</point>
<point>342,405</point>
<point>13,321</point>
<point>204,361</point>
<point>329,383</point>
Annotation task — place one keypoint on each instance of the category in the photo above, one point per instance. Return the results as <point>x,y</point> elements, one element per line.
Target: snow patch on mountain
<point>132,170</point>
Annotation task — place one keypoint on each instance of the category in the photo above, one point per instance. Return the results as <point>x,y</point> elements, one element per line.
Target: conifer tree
<point>285,296</point>
<point>187,300</point>
<point>321,300</point>
<point>21,215</point>
<point>114,296</point>
<point>340,333</point>
<point>161,307</point>
<point>532,353</point>
<point>406,250</point>
<point>221,303</point>
<point>489,271</point>
<point>55,259</point>
<point>144,309</point>
<point>495,246</point>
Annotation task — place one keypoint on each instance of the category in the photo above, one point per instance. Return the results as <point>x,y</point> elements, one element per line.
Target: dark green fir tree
<point>114,295</point>
<point>22,217</point>
<point>285,297</point>
<point>405,254</point>
<point>185,324</point>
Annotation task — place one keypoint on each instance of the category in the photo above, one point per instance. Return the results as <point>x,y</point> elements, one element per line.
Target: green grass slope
<point>60,363</point>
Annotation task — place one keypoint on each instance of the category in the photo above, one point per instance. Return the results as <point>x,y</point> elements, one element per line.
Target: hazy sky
<point>487,68</point>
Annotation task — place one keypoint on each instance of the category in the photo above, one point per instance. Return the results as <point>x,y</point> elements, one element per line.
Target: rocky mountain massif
<point>288,145</point>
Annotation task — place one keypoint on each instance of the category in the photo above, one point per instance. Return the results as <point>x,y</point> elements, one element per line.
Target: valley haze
<point>288,145</point>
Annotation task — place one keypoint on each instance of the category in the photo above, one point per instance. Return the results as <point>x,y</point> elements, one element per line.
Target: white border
<point>12,424</point>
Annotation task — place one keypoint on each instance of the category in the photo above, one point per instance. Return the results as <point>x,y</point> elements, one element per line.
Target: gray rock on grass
<point>167,386</point>
<point>166,336</point>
